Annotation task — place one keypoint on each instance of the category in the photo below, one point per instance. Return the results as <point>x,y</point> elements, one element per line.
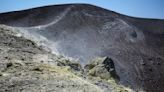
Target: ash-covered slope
<point>85,31</point>
<point>27,67</point>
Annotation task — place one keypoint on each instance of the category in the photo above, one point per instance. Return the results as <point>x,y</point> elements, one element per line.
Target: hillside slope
<point>26,67</point>
<point>84,32</point>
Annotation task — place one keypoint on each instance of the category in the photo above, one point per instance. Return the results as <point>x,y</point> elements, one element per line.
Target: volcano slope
<point>27,67</point>
<point>84,31</point>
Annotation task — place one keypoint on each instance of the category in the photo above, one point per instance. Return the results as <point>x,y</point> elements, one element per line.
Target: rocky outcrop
<point>103,68</point>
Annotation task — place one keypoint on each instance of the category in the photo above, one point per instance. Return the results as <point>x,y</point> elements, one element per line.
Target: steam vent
<point>80,48</point>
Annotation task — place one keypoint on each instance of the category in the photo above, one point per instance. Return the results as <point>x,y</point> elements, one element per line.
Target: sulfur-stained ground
<point>26,67</point>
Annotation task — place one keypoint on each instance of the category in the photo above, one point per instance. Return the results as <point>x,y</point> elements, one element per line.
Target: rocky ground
<point>27,67</point>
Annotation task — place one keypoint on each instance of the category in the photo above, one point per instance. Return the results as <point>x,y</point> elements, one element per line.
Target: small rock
<point>9,65</point>
<point>38,69</point>
<point>1,74</point>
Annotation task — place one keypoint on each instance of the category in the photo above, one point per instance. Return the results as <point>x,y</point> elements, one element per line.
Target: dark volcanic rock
<point>103,68</point>
<point>85,31</point>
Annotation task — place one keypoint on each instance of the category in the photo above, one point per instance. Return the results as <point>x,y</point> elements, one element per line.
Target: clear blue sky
<point>137,8</point>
